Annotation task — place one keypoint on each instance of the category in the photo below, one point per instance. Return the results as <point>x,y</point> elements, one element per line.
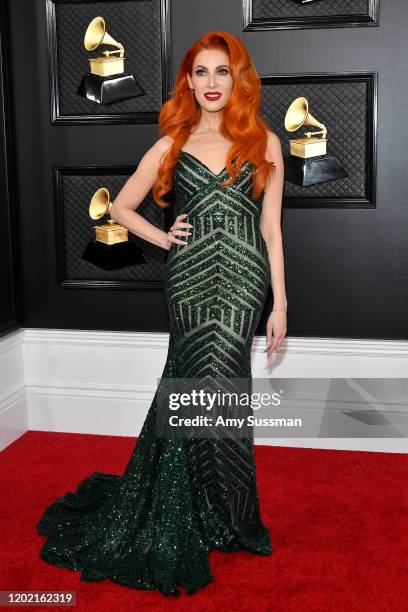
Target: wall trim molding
<point>13,398</point>
<point>372,347</point>
<point>103,382</point>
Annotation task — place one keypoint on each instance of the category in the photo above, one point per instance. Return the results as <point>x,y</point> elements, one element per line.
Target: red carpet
<point>338,521</point>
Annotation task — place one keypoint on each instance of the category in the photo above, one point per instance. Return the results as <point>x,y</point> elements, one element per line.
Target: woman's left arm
<point>270,226</point>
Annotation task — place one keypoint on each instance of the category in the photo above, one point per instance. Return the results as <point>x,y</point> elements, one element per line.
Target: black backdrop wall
<point>9,302</point>
<point>346,269</point>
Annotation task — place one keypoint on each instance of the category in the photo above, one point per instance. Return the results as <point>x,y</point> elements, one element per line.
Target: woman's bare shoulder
<point>164,143</point>
<point>154,155</point>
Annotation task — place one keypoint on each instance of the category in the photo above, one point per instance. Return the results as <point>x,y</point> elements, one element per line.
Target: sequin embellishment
<point>153,526</point>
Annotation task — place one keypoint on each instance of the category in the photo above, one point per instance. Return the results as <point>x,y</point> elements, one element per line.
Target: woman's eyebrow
<point>220,66</point>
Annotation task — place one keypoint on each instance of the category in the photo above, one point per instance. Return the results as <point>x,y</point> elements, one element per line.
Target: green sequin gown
<point>153,526</point>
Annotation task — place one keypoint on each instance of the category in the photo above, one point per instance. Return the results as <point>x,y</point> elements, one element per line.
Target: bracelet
<point>278,309</point>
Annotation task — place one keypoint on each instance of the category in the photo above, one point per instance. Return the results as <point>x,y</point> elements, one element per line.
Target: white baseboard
<point>103,382</point>
<point>13,405</point>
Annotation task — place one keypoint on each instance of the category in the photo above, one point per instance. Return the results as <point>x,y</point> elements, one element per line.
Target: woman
<point>153,527</point>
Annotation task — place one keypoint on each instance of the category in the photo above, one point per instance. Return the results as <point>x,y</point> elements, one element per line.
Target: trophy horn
<point>298,114</point>
<point>100,203</point>
<point>96,35</point>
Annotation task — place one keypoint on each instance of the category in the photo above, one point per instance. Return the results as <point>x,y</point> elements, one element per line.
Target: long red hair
<point>241,121</point>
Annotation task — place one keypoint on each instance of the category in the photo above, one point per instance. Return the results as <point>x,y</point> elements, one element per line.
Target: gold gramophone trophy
<point>111,248</point>
<point>308,162</point>
<point>107,82</point>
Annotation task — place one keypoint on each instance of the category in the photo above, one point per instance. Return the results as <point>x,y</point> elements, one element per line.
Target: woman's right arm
<point>133,192</point>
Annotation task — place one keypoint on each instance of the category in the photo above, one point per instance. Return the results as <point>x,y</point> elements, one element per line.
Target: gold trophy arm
<point>323,131</point>
<point>121,51</point>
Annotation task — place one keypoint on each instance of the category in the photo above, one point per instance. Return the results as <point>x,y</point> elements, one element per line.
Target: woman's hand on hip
<point>176,230</point>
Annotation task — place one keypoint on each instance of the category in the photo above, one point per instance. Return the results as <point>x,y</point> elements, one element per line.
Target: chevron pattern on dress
<point>216,286</point>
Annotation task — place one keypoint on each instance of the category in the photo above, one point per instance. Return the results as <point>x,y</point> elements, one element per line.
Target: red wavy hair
<point>241,121</point>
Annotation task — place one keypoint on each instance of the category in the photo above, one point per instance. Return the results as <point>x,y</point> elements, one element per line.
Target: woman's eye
<point>200,71</point>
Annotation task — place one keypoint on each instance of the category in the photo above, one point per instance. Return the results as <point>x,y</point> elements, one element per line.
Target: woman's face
<point>211,73</point>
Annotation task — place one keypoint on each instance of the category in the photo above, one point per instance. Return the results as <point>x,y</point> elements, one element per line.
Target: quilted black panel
<point>136,24</point>
<point>77,191</point>
<point>279,9</point>
<point>342,108</point>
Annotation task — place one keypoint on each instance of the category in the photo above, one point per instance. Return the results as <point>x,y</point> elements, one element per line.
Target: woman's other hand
<point>276,328</point>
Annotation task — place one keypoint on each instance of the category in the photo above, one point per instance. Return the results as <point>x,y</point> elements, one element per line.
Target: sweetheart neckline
<point>204,165</point>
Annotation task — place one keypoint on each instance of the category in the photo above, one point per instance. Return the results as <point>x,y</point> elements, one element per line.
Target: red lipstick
<point>213,95</point>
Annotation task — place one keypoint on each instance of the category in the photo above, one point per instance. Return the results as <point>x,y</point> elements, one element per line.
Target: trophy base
<point>113,256</point>
<point>313,170</point>
<point>106,90</point>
